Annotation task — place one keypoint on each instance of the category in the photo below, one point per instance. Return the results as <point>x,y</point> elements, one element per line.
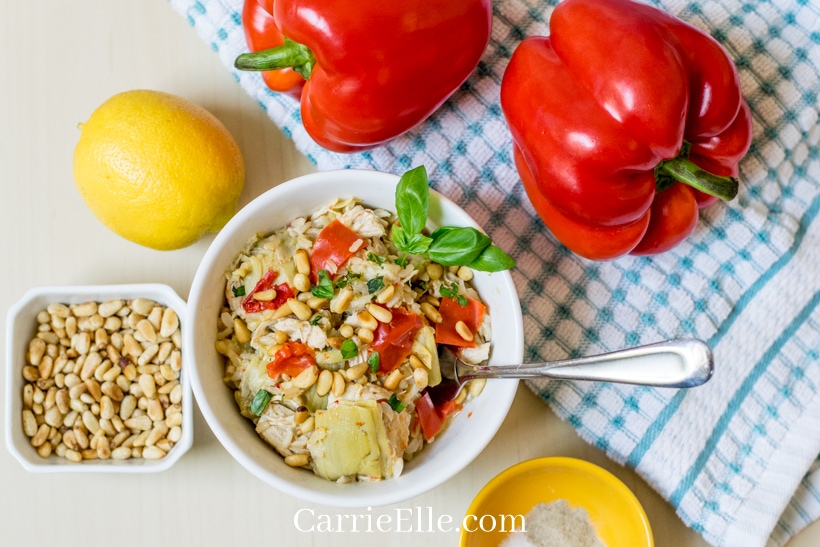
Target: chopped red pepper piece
<point>429,419</point>
<point>283,293</point>
<point>291,359</point>
<point>393,341</point>
<point>332,249</point>
<point>451,313</point>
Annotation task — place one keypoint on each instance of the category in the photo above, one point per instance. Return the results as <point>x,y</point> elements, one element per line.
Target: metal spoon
<point>678,363</point>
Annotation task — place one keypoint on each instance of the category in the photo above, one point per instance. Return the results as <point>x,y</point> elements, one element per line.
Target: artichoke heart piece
<point>254,379</point>
<point>350,439</point>
<point>425,348</point>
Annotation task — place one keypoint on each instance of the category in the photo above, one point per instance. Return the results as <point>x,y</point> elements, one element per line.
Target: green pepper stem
<point>685,171</point>
<point>289,55</point>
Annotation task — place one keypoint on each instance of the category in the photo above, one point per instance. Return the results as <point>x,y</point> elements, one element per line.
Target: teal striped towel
<point>738,457</point>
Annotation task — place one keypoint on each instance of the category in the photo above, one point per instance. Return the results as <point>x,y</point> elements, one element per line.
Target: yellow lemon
<point>157,169</point>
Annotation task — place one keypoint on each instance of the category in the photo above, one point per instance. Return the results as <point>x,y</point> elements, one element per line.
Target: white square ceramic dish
<point>22,326</point>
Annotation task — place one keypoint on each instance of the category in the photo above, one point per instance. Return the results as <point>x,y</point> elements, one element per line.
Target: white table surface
<point>58,62</point>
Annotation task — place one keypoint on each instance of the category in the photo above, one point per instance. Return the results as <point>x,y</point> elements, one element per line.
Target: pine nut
<point>301,282</point>
<point>169,323</point>
<point>41,436</point>
<point>306,378</point>
<point>346,330</point>
<point>86,309</point>
<point>121,453</point>
<point>477,386</point>
<point>265,296</point>
<point>324,383</point>
<point>392,380</point>
<point>302,261</point>
<point>140,423</point>
<point>365,335</point>
<point>317,303</point>
<point>300,309</point>
<point>44,450</point>
<point>36,350</point>
<point>431,312</point>
<point>462,394</point>
<point>464,331</point>
<point>29,423</point>
<point>382,315</point>
<point>73,455</point>
<point>297,460</point>
<point>299,416</point>
<point>341,301</point>
<point>107,309</point>
<point>385,295</point>
<point>308,425</point>
<point>142,306</point>
<point>415,362</point>
<point>282,311</point>
<point>148,385</point>
<point>420,377</point>
<point>366,320</point>
<point>356,371</point>
<point>153,453</point>
<point>434,271</point>
<point>243,335</point>
<point>338,384</point>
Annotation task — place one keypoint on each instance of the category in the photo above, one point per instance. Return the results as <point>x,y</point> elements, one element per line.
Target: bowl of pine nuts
<point>226,403</point>
<point>94,379</point>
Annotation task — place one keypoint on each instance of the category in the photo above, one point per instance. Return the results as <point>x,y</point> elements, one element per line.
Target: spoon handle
<point>683,362</point>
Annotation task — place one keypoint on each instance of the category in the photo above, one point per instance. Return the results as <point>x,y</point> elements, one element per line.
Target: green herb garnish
<point>373,361</point>
<point>375,284</point>
<point>349,349</point>
<point>372,257</point>
<point>324,288</point>
<point>238,291</point>
<point>260,401</point>
<point>452,292</point>
<point>402,261</point>
<point>315,319</point>
<point>395,404</point>
<point>448,245</point>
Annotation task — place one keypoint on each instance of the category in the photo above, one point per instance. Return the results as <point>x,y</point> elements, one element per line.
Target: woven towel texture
<point>737,457</point>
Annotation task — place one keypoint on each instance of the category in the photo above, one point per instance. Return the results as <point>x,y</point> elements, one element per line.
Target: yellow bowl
<point>615,512</point>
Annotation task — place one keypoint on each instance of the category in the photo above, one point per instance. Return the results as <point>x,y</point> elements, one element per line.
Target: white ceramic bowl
<point>21,326</point>
<point>469,432</point>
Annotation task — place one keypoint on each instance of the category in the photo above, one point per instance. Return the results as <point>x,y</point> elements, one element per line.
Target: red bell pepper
<point>374,70</point>
<point>291,359</point>
<point>393,341</point>
<point>472,314</point>
<point>624,121</point>
<point>261,34</point>
<point>283,293</point>
<point>334,245</point>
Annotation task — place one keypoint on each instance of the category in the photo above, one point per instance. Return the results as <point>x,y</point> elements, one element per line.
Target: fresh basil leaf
<point>372,257</point>
<point>458,246</point>
<point>349,349</point>
<point>402,261</point>
<point>375,284</point>
<point>260,401</point>
<point>438,232</point>
<point>450,291</point>
<point>373,361</point>
<point>416,244</point>
<point>323,289</point>
<point>395,404</point>
<point>492,259</point>
<point>238,291</point>
<point>315,319</point>
<point>412,199</point>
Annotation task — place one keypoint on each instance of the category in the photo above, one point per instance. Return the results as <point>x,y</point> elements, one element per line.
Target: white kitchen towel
<point>737,457</point>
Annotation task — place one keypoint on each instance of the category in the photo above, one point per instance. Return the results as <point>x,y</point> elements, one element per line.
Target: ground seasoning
<point>555,524</point>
